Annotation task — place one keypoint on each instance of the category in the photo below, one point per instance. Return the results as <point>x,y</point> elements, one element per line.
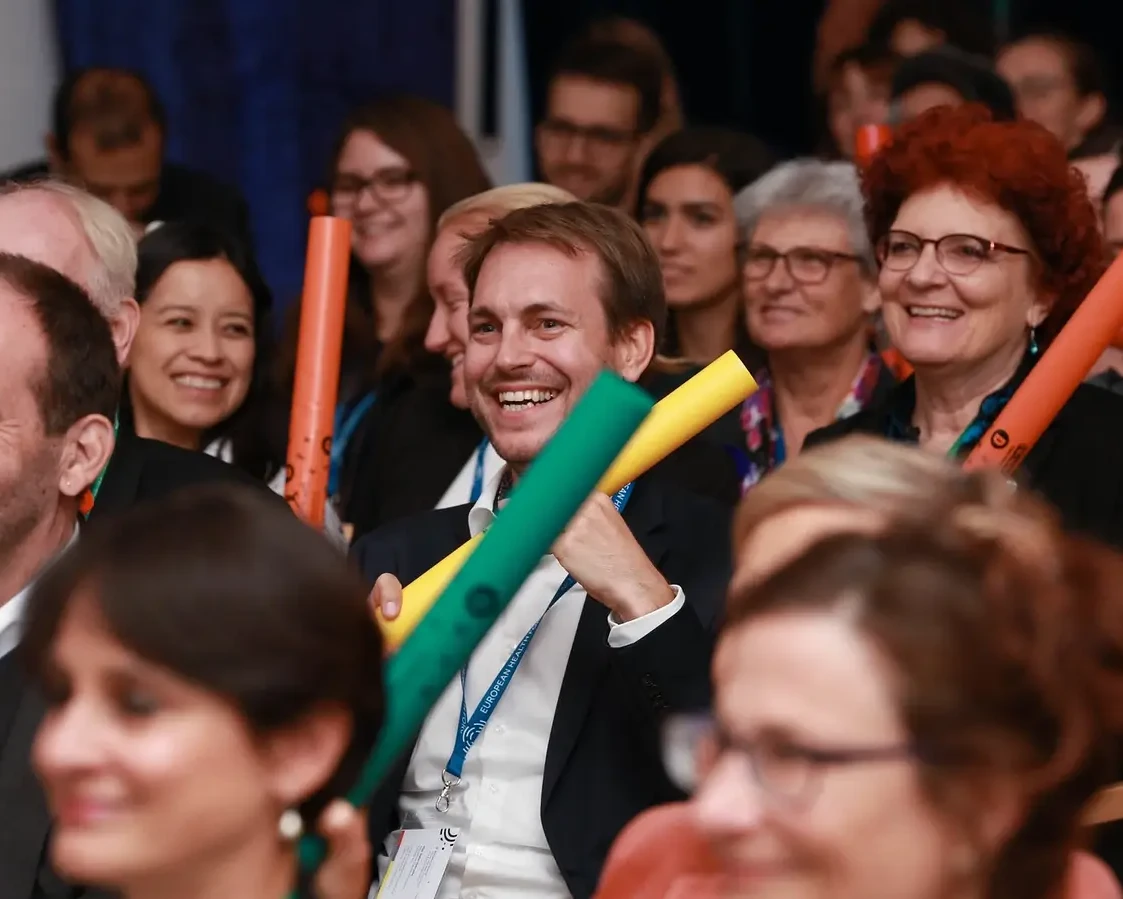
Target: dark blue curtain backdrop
<point>256,89</point>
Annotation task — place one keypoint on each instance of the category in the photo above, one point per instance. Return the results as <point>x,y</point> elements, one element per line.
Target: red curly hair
<point>1017,165</point>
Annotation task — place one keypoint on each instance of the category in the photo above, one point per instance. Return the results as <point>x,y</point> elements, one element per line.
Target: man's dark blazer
<point>603,762</point>
<point>140,470</point>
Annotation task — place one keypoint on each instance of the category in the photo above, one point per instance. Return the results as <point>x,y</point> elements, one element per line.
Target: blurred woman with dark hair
<point>400,162</point>
<point>213,682</point>
<point>987,244</point>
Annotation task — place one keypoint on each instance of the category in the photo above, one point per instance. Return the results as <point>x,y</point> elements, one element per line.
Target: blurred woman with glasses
<point>828,847</point>
<point>920,714</point>
<point>810,297</point>
<point>988,243</point>
<point>400,162</point>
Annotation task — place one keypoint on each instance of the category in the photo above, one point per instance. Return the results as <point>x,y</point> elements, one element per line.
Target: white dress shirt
<point>459,491</point>
<point>11,612</point>
<point>502,851</point>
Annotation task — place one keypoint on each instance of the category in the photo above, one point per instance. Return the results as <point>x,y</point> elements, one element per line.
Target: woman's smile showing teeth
<point>938,312</point>
<point>199,382</point>
<point>524,399</point>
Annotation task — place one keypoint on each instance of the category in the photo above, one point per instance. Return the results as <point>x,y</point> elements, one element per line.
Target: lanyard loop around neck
<point>470,728</point>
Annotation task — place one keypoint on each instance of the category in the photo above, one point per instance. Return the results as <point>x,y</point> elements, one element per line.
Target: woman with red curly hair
<point>987,243</point>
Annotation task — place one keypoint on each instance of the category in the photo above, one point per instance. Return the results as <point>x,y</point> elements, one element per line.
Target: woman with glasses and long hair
<point>400,162</point>
<point>810,289</point>
<point>988,243</point>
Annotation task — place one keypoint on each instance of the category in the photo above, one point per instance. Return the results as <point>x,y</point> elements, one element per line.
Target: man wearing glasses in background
<point>602,102</point>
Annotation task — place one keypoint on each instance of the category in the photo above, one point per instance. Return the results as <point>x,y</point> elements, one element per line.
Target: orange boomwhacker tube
<point>869,140</point>
<point>317,367</point>
<point>1056,376</point>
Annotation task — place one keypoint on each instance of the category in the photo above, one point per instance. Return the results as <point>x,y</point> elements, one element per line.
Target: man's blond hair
<point>498,201</point>
<point>112,276</point>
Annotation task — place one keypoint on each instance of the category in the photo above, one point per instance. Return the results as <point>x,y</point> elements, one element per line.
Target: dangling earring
<point>290,825</point>
<point>1033,348</point>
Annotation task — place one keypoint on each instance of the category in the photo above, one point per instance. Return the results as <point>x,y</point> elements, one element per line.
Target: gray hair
<point>112,276</point>
<point>814,185</point>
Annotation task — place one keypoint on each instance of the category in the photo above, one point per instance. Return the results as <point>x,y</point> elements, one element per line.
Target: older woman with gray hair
<point>810,286</point>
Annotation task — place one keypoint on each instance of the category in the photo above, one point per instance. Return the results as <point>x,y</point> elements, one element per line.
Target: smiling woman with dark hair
<point>197,369</point>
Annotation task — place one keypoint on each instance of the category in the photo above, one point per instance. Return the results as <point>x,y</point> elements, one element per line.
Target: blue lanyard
<point>345,425</point>
<point>478,477</point>
<point>470,729</point>
<point>779,448</point>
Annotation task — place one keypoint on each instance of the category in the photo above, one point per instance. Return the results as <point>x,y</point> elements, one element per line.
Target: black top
<point>1075,464</point>
<point>186,194</point>
<point>604,759</point>
<point>142,469</point>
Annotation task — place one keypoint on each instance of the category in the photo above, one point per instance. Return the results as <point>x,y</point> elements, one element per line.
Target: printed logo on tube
<point>1000,439</point>
<point>481,601</point>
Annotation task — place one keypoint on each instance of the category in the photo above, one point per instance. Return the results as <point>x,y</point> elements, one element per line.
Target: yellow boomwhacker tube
<point>675,419</point>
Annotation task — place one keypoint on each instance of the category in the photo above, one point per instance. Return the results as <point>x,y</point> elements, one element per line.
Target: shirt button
<point>494,789</point>
<point>500,729</point>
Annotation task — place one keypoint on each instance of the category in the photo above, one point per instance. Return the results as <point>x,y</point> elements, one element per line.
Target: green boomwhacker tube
<point>542,503</point>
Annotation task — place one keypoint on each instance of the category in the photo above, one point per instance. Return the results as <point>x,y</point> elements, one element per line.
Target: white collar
<point>11,612</point>
<point>482,514</point>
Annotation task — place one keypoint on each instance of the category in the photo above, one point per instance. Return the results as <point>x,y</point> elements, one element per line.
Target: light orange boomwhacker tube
<point>1032,408</point>
<point>318,354</point>
<point>1055,378</point>
<point>679,416</point>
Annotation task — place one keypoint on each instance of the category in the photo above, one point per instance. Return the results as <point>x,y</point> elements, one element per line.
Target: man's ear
<point>123,326</point>
<point>85,453</point>
<point>634,348</point>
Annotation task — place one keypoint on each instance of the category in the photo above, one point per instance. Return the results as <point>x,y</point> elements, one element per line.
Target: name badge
<point>418,865</point>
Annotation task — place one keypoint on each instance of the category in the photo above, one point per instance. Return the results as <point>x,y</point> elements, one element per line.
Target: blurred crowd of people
<point>805,655</point>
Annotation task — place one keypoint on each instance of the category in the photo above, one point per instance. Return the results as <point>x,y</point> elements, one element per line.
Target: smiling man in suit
<point>611,631</point>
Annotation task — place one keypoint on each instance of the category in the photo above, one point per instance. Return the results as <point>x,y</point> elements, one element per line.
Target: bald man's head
<point>82,238</point>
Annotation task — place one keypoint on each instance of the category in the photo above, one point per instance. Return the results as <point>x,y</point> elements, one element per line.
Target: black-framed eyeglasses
<point>388,185</point>
<point>805,265</point>
<point>957,254</point>
<point>784,769</point>
<point>596,136</point>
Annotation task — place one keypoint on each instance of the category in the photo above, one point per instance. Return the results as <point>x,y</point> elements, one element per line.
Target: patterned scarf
<point>764,438</point>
